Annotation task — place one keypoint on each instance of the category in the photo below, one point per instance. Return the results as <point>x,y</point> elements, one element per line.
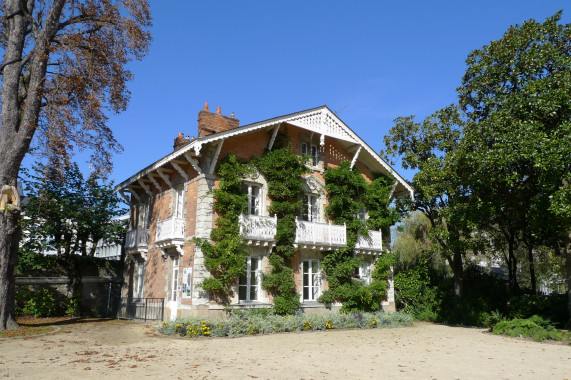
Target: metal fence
<point>145,309</point>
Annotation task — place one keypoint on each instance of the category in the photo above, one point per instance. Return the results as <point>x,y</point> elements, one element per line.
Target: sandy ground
<point>422,351</point>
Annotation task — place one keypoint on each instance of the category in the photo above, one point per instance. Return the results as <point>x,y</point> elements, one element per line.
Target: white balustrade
<point>138,237</point>
<point>170,229</point>
<point>258,228</point>
<point>371,243</point>
<point>320,235</point>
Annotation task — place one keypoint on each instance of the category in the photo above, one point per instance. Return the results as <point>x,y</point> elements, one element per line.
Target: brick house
<point>171,202</point>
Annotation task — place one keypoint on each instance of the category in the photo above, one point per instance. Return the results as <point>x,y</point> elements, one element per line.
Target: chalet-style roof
<point>320,120</point>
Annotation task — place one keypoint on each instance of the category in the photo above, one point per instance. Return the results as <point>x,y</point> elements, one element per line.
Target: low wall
<point>100,295</point>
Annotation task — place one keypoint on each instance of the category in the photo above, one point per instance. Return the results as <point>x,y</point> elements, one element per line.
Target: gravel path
<point>422,351</point>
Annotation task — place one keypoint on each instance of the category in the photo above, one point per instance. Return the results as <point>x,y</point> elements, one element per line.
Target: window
<point>174,280</point>
<point>139,279</point>
<point>311,280</point>
<point>364,273</point>
<point>248,284</point>
<point>144,216</point>
<point>254,199</point>
<point>362,215</point>
<point>310,150</point>
<point>309,208</point>
<point>179,205</point>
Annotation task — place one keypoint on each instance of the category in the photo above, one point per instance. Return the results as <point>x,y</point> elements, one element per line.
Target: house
<point>171,203</point>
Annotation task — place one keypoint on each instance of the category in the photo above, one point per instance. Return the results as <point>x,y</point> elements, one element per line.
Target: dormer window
<point>312,151</point>
<point>254,199</point>
<point>310,208</point>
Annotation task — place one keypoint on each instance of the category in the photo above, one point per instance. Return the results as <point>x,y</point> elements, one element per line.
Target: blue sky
<point>372,61</point>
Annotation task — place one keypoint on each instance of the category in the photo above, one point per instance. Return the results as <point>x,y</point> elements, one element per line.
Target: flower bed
<point>263,322</point>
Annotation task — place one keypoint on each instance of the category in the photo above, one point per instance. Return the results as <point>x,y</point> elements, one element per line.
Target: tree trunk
<point>512,262</point>
<point>457,266</point>
<point>531,269</point>
<point>567,249</point>
<point>10,232</point>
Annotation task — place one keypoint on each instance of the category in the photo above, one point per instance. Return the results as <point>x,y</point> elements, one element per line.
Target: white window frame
<point>254,200</point>
<point>313,284</point>
<point>365,272</point>
<point>174,284</point>
<point>179,202</point>
<point>144,215</point>
<point>310,208</point>
<point>312,151</point>
<point>248,275</point>
<point>140,268</point>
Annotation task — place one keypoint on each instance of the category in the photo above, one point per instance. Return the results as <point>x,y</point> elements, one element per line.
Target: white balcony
<point>258,230</point>
<point>320,236</point>
<point>370,245</point>
<point>137,238</point>
<point>170,234</point>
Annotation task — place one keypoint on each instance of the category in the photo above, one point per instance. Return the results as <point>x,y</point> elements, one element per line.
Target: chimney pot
<point>206,106</point>
<point>219,110</point>
<point>232,115</point>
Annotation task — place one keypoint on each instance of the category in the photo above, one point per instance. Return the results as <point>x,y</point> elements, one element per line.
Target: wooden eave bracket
<point>215,158</point>
<point>354,160</point>
<point>124,196</point>
<point>193,162</point>
<point>179,169</point>
<point>274,134</point>
<point>161,172</point>
<point>134,194</point>
<point>145,187</point>
<point>9,197</point>
<point>155,182</point>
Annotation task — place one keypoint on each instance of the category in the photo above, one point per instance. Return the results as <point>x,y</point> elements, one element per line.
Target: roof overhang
<point>320,120</point>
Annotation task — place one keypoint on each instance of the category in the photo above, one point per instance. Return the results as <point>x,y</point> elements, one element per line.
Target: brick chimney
<point>180,141</point>
<point>209,123</point>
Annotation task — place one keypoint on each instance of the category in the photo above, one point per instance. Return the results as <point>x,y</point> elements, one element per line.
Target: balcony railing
<point>322,236</point>
<point>372,244</point>
<point>170,230</point>
<point>137,238</point>
<point>258,230</point>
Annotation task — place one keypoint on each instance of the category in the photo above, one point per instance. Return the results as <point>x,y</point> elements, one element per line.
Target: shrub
<point>534,327</point>
<point>39,303</point>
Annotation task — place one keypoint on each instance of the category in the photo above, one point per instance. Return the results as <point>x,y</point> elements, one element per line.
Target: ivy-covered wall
<point>348,194</point>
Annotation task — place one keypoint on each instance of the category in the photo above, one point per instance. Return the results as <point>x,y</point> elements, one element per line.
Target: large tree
<point>63,70</point>
<point>517,94</point>
<point>429,147</point>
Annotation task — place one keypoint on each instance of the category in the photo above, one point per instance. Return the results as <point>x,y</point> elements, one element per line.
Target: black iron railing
<point>145,309</point>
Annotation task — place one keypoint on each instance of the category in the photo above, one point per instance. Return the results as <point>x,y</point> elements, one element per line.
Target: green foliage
<point>226,258</point>
<point>73,307</point>
<point>349,194</point>
<point>39,303</point>
<point>416,292</point>
<point>67,213</point>
<point>535,327</point>
<point>252,323</point>
<point>282,169</point>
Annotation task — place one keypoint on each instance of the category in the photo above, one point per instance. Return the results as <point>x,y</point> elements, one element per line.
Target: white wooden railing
<point>170,229</point>
<point>138,237</point>
<point>255,227</point>
<point>373,242</point>
<point>320,235</point>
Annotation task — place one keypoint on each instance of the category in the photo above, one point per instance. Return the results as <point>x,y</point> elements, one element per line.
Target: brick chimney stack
<point>209,123</point>
<point>180,141</point>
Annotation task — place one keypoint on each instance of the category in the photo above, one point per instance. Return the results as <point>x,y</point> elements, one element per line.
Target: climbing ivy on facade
<point>349,196</point>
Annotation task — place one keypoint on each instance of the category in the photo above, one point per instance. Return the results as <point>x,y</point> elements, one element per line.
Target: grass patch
<point>254,322</point>
<point>30,326</point>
